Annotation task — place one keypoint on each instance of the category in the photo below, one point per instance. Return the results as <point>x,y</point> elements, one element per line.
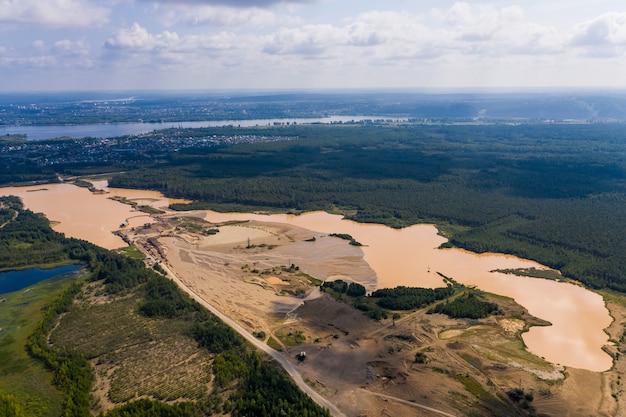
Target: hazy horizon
<point>270,45</point>
<point>414,91</point>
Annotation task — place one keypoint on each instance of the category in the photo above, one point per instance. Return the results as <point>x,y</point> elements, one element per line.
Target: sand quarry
<point>258,273</point>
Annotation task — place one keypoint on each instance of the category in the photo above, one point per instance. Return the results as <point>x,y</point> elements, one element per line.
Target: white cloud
<point>55,13</point>
<point>69,48</point>
<point>168,50</point>
<point>603,36</point>
<point>481,18</point>
<point>137,38</point>
<point>39,44</point>
<point>464,34</point>
<point>64,54</point>
<point>44,61</point>
<point>462,30</point>
<point>238,3</point>
<point>201,15</point>
<point>223,41</point>
<point>396,35</point>
<point>311,40</point>
<point>272,41</point>
<point>489,30</point>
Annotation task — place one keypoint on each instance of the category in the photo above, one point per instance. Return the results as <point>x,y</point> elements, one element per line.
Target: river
<point>408,256</point>
<point>109,130</point>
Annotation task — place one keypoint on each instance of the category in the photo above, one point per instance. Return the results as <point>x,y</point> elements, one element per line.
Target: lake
<point>408,256</point>
<point>18,280</point>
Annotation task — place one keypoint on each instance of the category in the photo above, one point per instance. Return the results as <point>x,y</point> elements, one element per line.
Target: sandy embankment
<point>238,270</point>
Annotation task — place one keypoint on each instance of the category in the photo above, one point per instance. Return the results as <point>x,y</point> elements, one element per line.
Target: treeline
<point>25,171</point>
<point>266,392</point>
<point>72,372</point>
<point>162,298</point>
<point>469,306</point>
<point>353,294</point>
<point>347,237</point>
<point>120,273</point>
<point>148,408</point>
<point>8,208</point>
<point>409,298</point>
<point>27,240</point>
<point>353,289</point>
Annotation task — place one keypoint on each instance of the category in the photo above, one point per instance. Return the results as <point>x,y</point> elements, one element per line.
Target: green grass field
<point>20,375</point>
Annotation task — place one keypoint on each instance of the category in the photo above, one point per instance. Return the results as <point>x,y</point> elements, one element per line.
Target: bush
<point>420,357</point>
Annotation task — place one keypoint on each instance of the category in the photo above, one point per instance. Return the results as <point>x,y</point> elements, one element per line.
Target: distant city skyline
<point>50,45</point>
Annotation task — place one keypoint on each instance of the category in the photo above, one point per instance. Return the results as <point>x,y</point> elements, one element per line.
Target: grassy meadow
<point>21,375</point>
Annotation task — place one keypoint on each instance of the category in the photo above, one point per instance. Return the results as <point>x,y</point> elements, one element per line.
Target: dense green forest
<point>250,385</point>
<point>408,298</point>
<point>469,305</point>
<point>554,193</point>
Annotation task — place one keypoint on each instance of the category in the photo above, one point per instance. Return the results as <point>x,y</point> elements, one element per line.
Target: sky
<point>52,45</point>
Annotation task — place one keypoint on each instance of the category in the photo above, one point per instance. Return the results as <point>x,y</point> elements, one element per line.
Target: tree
<point>355,290</point>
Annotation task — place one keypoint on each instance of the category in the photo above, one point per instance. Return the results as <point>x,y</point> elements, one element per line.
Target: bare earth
<point>257,273</point>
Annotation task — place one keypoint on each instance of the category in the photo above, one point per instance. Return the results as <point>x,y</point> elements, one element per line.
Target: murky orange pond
<point>399,256</point>
<point>410,257</point>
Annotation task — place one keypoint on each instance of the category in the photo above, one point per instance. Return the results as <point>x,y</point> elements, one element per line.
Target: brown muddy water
<point>398,256</point>
<point>77,212</point>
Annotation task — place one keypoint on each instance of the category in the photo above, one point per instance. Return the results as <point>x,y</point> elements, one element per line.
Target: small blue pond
<point>17,280</point>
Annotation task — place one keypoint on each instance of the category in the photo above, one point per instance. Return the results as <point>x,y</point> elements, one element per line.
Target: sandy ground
<point>254,272</point>
<point>241,269</point>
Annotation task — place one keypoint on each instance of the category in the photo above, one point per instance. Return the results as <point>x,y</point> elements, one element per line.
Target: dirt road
<point>288,366</point>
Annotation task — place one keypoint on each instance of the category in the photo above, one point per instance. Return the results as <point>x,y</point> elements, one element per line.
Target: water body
<point>17,280</point>
<point>406,256</point>
<point>77,212</point>
<point>411,257</point>
<point>109,130</point>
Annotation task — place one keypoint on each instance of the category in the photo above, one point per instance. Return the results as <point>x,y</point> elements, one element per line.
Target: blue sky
<point>307,44</point>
